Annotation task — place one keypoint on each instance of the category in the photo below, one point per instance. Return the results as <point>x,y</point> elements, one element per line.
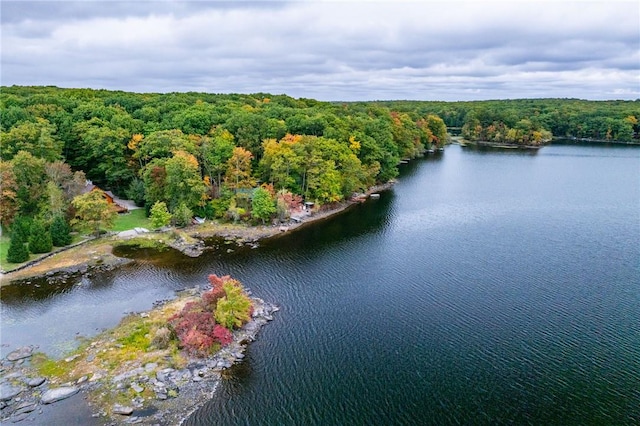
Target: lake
<point>487,287</point>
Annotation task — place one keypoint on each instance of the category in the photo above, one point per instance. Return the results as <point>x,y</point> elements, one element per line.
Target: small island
<point>154,367</point>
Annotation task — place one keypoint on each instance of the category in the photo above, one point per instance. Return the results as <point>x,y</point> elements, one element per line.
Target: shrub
<point>40,239</point>
<point>60,232</point>
<point>159,215</point>
<point>194,327</point>
<point>182,215</point>
<point>234,309</point>
<point>211,297</point>
<point>222,335</point>
<point>17,252</point>
<point>161,338</point>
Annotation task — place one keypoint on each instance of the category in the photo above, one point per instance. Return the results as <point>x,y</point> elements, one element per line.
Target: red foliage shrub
<point>195,325</point>
<point>212,296</point>
<point>222,335</point>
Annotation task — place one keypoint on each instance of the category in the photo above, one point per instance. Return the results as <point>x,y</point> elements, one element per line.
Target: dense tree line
<point>570,118</point>
<point>234,156</point>
<point>240,156</point>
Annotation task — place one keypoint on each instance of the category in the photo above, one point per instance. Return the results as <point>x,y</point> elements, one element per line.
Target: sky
<point>329,50</point>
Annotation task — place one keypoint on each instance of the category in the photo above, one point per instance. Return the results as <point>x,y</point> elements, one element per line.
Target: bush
<point>160,216</point>
<point>218,207</point>
<point>17,252</point>
<point>194,327</point>
<point>40,239</point>
<point>161,338</point>
<point>60,232</point>
<point>182,215</point>
<point>234,309</point>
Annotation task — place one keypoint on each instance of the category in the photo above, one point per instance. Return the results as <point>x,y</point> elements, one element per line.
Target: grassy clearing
<point>133,219</point>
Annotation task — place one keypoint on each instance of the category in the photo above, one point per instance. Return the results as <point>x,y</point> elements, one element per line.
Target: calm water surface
<point>488,287</point>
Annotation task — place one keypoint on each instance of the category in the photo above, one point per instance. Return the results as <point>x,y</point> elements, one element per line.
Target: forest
<point>236,157</point>
<point>561,118</point>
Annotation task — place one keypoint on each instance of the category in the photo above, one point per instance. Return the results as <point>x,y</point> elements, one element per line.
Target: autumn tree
<point>238,175</point>
<point>93,212</point>
<point>8,194</point>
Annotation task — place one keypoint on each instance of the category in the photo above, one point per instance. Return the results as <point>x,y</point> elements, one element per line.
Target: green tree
<point>215,151</point>
<point>160,216</point>
<point>21,227</point>
<point>60,232</point>
<point>93,212</point>
<point>136,191</point>
<point>162,144</point>
<point>263,205</point>
<point>182,215</point>
<point>30,179</point>
<point>183,182</point>
<point>33,137</point>
<point>17,252</point>
<point>40,239</point>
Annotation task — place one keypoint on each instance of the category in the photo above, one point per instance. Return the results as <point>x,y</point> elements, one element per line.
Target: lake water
<point>487,287</point>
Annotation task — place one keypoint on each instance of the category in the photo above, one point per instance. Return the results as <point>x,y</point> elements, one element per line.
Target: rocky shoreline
<point>189,241</point>
<point>155,393</point>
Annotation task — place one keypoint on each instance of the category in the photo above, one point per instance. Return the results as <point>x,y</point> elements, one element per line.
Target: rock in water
<point>20,353</point>
<point>8,391</point>
<point>55,395</point>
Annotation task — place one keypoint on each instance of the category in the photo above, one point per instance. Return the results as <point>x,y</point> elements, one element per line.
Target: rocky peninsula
<point>123,379</point>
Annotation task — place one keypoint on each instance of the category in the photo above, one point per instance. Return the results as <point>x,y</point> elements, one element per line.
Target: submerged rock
<point>58,394</point>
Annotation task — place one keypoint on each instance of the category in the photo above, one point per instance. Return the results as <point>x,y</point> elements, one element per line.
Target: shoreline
<point>97,253</point>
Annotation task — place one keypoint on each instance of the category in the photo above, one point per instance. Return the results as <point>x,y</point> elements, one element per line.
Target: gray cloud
<point>329,50</point>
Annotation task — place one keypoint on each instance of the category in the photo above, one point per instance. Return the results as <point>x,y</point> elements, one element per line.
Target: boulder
<point>20,353</point>
<point>122,410</point>
<point>36,381</point>
<point>58,394</point>
<point>8,391</point>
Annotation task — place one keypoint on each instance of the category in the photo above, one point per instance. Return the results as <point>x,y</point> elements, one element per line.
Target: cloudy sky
<point>329,50</point>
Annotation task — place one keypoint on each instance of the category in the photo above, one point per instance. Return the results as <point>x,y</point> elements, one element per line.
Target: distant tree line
<point>565,118</point>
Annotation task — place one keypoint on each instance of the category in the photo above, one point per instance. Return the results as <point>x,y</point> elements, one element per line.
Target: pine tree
<point>60,232</point>
<point>40,240</point>
<point>17,253</point>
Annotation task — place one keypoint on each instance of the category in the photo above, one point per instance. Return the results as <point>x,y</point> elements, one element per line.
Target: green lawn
<point>4,248</point>
<point>133,219</point>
